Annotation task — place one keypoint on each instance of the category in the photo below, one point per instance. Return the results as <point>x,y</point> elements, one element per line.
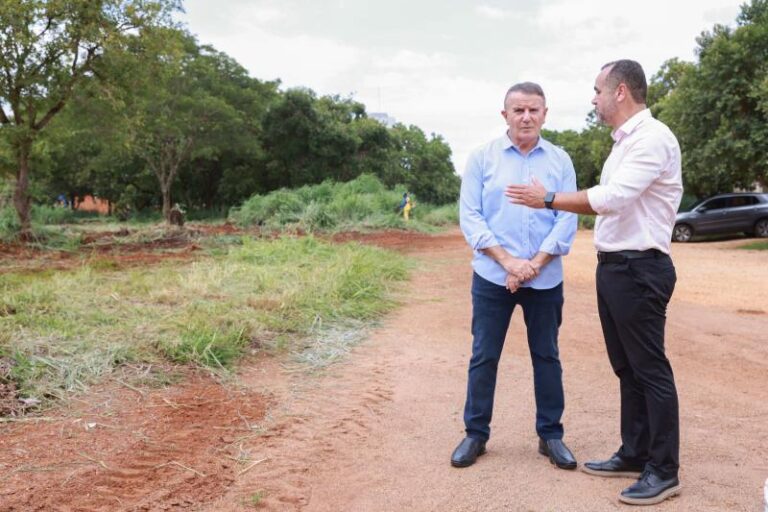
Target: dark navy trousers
<point>492,307</point>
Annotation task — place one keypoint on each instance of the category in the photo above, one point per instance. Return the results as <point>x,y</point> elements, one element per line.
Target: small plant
<point>255,499</point>
<point>201,344</point>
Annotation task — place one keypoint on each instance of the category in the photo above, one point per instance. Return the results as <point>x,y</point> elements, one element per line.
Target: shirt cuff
<point>555,247</point>
<point>482,240</point>
<point>598,199</point>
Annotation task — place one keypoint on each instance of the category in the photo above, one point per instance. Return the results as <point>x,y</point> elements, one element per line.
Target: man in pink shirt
<point>636,201</point>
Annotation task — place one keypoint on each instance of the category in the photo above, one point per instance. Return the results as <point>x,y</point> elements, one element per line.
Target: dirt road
<point>375,432</point>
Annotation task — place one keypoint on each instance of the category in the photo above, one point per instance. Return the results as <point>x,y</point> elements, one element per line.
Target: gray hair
<point>629,73</point>
<point>525,88</point>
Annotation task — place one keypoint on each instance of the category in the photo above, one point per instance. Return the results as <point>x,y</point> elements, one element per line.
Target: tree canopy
<point>111,98</point>
<point>48,48</point>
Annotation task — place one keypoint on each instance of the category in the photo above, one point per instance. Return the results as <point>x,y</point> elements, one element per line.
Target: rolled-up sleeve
<point>558,242</point>
<point>640,167</point>
<point>471,218</point>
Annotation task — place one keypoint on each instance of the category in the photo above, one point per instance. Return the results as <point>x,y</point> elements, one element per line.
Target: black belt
<point>622,256</point>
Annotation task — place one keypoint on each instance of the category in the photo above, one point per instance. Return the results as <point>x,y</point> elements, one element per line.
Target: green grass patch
<point>64,330</point>
<point>256,498</point>
<point>363,204</point>
<point>756,246</point>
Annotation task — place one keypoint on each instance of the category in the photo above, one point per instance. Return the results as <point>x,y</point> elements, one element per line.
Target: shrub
<point>363,203</point>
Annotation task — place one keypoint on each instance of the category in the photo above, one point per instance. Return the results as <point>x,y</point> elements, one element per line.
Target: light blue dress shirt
<point>487,217</point>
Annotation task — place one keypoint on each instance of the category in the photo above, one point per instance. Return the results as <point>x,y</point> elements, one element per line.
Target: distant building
<point>89,203</point>
<point>757,186</point>
<point>383,118</point>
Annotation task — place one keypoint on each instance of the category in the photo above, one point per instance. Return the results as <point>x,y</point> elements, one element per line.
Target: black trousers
<point>632,299</point>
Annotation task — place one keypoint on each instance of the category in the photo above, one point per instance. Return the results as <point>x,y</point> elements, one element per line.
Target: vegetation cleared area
<point>62,330</point>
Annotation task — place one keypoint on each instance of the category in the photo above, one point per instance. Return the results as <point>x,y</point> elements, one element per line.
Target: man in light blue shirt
<point>517,261</point>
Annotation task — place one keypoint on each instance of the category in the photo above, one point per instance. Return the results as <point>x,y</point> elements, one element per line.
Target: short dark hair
<point>525,88</point>
<point>631,74</point>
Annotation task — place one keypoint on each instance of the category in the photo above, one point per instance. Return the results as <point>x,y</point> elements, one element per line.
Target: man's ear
<point>621,92</point>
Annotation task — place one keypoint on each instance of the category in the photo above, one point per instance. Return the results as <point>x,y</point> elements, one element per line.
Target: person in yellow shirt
<point>406,205</point>
<point>407,208</point>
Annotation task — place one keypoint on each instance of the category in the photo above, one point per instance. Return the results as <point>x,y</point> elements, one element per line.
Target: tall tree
<point>47,47</point>
<point>719,110</point>
<point>425,165</point>
<point>174,114</point>
<point>588,150</point>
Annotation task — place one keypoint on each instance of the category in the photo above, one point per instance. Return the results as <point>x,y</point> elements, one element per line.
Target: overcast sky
<point>445,65</point>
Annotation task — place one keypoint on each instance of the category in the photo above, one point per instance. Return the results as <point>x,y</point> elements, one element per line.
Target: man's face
<point>525,115</point>
<point>605,101</point>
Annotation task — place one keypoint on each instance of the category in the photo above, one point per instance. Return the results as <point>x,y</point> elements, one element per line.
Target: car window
<point>737,201</point>
<point>716,203</point>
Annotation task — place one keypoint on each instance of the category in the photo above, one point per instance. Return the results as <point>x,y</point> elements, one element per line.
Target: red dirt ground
<point>118,449</point>
<point>375,432</point>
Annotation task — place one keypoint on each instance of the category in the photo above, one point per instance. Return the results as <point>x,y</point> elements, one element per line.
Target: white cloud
<point>266,14</point>
<point>300,60</point>
<point>492,13</point>
<point>446,69</point>
<point>410,60</point>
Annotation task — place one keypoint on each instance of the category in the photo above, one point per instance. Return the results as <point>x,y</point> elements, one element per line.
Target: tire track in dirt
<point>171,451</point>
<point>316,421</point>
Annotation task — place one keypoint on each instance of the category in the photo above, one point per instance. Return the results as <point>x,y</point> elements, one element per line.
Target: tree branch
<point>47,27</point>
<point>65,95</point>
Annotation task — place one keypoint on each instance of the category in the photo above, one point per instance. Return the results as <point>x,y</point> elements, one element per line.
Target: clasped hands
<point>519,271</point>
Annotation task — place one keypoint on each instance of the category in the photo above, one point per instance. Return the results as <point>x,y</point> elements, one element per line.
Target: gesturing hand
<point>529,195</point>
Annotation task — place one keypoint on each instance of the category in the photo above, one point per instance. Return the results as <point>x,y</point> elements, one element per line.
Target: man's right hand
<point>522,269</point>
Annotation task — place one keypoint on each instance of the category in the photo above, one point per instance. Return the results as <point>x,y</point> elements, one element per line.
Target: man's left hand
<point>513,283</point>
<point>529,195</point>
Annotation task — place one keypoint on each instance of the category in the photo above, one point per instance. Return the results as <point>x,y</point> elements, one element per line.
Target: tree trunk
<point>165,189</point>
<point>21,199</point>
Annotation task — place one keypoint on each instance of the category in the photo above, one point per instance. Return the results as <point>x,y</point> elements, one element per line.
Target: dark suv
<point>722,214</point>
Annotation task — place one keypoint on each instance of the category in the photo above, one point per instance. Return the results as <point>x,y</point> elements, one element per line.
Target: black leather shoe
<point>650,490</point>
<point>467,452</point>
<point>558,453</point>
<point>615,466</point>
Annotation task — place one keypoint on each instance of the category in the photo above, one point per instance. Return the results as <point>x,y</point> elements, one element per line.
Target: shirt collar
<point>506,143</point>
<point>630,125</point>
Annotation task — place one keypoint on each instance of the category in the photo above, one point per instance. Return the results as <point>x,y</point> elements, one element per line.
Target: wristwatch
<point>548,198</point>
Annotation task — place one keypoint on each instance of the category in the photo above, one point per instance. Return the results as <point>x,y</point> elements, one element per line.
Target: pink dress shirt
<point>640,188</point>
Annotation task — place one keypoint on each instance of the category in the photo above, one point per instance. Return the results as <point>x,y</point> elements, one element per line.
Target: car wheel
<point>682,233</point>
<point>761,228</point>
